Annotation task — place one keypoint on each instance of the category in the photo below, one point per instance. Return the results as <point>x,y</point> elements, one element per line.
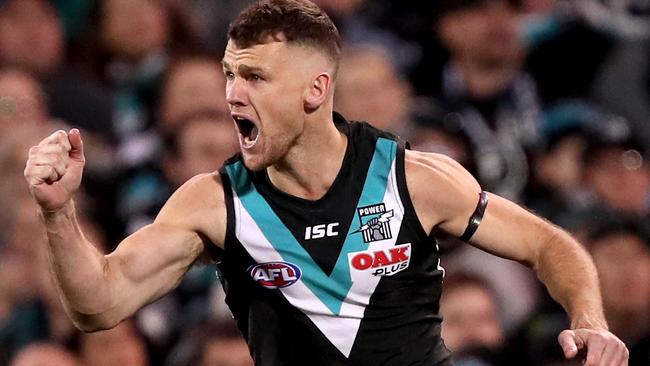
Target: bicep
<point>446,196</point>
<point>151,262</point>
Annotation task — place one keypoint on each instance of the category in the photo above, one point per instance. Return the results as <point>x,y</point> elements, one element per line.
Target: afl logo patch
<point>274,275</point>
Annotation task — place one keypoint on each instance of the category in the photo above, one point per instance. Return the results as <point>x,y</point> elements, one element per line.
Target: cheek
<point>279,113</point>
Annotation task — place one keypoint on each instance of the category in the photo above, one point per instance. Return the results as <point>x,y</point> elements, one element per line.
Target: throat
<point>308,174</point>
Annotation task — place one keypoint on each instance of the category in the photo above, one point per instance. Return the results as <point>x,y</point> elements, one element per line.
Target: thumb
<point>567,340</point>
<point>77,150</point>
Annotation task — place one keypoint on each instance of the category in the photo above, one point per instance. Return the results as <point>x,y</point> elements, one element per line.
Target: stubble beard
<point>274,151</point>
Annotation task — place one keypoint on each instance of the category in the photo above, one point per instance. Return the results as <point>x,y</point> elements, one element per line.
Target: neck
<point>486,81</point>
<point>312,164</point>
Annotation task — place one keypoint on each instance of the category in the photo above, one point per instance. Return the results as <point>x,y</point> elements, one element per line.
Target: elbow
<point>551,244</point>
<point>559,251</point>
<point>90,323</point>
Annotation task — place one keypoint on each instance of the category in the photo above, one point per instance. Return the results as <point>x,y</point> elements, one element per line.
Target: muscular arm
<point>509,231</point>
<point>98,290</point>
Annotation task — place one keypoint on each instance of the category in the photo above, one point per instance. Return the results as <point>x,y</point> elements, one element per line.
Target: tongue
<point>253,135</point>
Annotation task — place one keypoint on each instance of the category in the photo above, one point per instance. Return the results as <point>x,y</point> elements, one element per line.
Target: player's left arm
<point>445,196</point>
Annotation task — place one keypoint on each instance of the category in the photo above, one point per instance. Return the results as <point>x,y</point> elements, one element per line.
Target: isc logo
<point>274,275</point>
<point>385,262</point>
<point>321,231</point>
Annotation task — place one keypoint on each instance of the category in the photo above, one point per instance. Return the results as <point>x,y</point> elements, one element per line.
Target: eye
<point>229,75</point>
<point>256,77</point>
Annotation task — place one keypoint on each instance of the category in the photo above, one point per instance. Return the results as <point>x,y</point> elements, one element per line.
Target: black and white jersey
<point>349,279</point>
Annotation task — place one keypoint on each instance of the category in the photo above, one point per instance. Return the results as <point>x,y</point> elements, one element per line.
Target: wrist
<point>48,214</point>
<point>589,323</point>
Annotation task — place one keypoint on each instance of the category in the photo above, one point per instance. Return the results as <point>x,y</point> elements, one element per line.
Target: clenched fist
<point>54,169</point>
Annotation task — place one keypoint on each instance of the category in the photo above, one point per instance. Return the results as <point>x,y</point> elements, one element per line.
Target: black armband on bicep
<point>477,216</point>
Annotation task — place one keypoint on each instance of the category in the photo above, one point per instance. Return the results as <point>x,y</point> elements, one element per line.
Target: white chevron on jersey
<point>340,330</point>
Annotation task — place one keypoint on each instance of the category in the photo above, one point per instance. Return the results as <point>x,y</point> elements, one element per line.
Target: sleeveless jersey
<point>349,279</point>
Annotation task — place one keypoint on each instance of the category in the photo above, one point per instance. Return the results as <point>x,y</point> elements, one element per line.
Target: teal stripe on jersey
<point>330,293</point>
<point>331,290</point>
<point>373,192</point>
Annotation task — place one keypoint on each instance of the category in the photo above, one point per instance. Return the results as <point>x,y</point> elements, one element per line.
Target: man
<point>471,312</point>
<point>622,257</point>
<point>289,221</point>
<point>45,354</point>
<point>485,86</point>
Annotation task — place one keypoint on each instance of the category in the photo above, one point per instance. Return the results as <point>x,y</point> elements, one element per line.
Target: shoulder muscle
<point>199,206</point>
<point>443,192</point>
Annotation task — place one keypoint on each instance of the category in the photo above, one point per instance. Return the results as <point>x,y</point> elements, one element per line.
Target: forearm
<point>571,278</point>
<point>78,268</point>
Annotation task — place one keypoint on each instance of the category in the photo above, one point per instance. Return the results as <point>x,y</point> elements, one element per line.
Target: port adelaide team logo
<point>374,223</point>
<point>273,275</point>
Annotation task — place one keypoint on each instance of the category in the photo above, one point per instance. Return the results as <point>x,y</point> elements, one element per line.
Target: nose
<point>236,92</point>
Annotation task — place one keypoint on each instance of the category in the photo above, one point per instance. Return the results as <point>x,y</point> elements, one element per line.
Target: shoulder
<point>443,193</point>
<point>198,205</point>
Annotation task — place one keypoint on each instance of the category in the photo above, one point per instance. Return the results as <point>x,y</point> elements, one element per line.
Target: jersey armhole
<point>409,209</point>
<point>217,254</point>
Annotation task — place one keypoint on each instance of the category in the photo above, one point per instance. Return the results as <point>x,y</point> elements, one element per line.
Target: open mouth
<point>248,131</point>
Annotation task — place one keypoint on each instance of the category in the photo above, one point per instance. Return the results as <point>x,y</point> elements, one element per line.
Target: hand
<point>54,168</point>
<point>601,347</point>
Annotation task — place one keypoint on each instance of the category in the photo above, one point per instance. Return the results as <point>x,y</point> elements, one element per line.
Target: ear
<point>318,91</point>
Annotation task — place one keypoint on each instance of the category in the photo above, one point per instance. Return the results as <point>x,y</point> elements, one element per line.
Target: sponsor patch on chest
<point>379,262</point>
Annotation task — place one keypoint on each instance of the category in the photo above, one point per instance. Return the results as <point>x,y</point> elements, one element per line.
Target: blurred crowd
<point>546,102</point>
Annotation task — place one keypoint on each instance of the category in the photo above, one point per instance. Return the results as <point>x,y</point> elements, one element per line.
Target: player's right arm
<point>97,290</point>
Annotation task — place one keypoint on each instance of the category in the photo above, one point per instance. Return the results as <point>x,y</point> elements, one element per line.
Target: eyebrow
<point>244,69</point>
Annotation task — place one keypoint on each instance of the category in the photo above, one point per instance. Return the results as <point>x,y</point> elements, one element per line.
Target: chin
<point>255,164</point>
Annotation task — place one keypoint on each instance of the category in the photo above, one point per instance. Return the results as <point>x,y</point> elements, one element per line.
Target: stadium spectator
<point>622,257</point>
<point>191,84</point>
<point>212,343</point>
<point>484,82</point>
<point>614,160</point>
<point>436,130</point>
<point>199,143</point>
<point>470,309</point>
<point>32,39</point>
<point>31,36</point>
<point>122,345</point>
<point>22,101</point>
<point>369,88</point>
<point>358,29</point>
<point>130,47</point>
<point>41,354</point>
<point>557,189</point>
